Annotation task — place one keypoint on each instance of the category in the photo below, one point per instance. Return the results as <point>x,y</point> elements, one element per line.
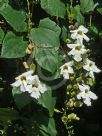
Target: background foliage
<point>46,24</point>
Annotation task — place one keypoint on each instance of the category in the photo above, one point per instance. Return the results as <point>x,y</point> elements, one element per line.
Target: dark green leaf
<point>99,10</point>
<point>8,114</point>
<point>46,124</point>
<point>50,129</point>
<point>21,99</point>
<point>1,35</point>
<point>94,29</point>
<point>64,34</point>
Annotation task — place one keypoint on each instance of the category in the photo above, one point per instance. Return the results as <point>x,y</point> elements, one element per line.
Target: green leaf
<point>8,114</point>
<point>99,10</point>
<point>46,35</point>
<point>47,59</point>
<point>47,100</point>
<point>77,14</point>
<point>94,29</point>
<point>15,18</point>
<point>3,4</point>
<point>50,129</point>
<point>13,46</point>
<point>64,34</point>
<point>46,39</point>
<point>46,124</point>
<point>87,5</point>
<point>21,99</point>
<point>1,35</point>
<point>54,7</point>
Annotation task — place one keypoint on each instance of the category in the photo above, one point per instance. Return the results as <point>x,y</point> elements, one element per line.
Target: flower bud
<point>64,119</point>
<point>75,86</point>
<point>72,78</point>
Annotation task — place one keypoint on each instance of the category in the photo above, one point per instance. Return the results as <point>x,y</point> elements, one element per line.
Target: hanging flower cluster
<point>77,51</point>
<point>30,83</point>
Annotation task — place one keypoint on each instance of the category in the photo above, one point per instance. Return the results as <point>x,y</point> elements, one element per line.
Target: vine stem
<point>71,5</point>
<point>29,17</point>
<point>71,1</point>
<point>90,20</point>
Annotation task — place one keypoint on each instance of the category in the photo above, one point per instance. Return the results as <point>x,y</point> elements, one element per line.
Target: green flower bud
<point>71,17</point>
<point>78,104</point>
<point>85,56</point>
<point>73,116</point>
<point>68,40</point>
<point>75,86</point>
<point>79,79</point>
<point>73,93</point>
<point>69,86</point>
<point>68,93</point>
<point>90,81</point>
<point>70,103</point>
<point>64,119</point>
<point>72,78</point>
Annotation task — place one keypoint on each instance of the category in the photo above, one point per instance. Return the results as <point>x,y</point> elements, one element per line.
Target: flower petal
<point>79,96</point>
<point>82,88</point>
<point>72,52</point>
<point>83,29</point>
<point>70,63</point>
<point>93,96</point>
<point>74,35</point>
<point>66,75</point>
<point>43,88</point>
<point>91,74</point>
<point>35,94</point>
<point>87,102</point>
<point>85,37</point>
<point>70,70</point>
<point>22,88</point>
<point>16,83</point>
<point>28,73</point>
<point>95,69</point>
<point>71,46</point>
<point>78,58</point>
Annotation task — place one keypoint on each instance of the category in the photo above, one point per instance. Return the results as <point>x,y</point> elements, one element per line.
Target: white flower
<point>79,34</point>
<point>67,69</point>
<point>23,80</point>
<point>91,68</point>
<point>77,51</point>
<point>36,87</point>
<point>86,94</point>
